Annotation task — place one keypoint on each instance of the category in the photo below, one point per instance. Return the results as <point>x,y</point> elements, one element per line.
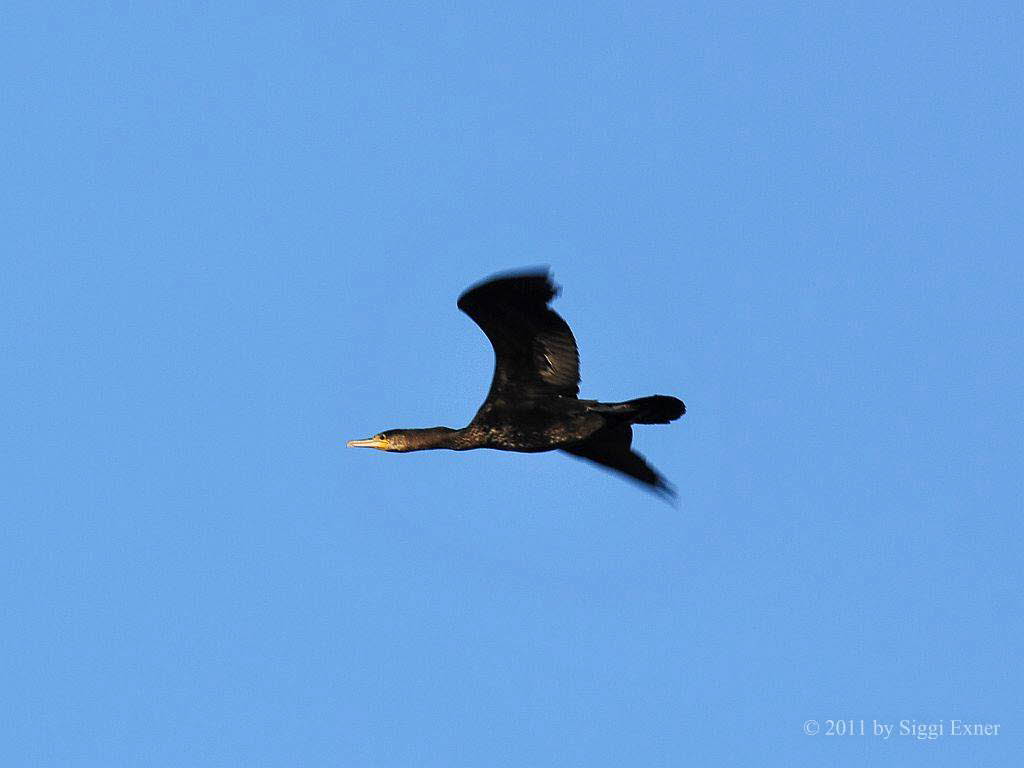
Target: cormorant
<point>532,405</point>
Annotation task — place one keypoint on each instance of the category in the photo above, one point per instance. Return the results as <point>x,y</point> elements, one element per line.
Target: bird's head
<point>391,440</point>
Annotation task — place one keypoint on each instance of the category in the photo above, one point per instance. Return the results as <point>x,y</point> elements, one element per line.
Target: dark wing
<point>610,447</point>
<point>534,350</point>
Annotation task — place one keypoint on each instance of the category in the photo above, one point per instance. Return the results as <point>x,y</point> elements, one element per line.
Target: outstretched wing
<point>610,447</point>
<point>534,350</point>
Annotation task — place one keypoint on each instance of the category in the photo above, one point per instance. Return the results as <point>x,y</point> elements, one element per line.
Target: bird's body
<point>542,427</point>
<point>532,405</point>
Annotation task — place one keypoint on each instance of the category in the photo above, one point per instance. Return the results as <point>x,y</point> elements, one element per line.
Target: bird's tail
<point>656,409</point>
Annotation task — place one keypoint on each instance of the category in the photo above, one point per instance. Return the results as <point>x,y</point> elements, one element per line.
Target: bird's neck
<point>432,438</point>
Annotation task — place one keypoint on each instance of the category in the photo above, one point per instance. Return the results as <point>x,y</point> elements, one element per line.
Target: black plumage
<point>532,404</point>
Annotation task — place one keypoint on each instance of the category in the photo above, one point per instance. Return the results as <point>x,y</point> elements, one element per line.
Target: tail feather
<point>656,409</point>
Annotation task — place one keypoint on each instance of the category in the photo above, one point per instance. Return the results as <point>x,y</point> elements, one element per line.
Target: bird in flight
<point>533,402</point>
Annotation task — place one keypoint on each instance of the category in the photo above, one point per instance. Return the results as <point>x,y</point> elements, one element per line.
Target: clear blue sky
<point>233,238</point>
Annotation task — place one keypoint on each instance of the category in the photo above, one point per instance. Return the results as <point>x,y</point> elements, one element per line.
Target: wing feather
<point>534,349</point>
<point>610,447</point>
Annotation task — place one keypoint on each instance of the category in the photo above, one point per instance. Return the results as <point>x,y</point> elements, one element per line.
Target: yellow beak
<point>373,442</point>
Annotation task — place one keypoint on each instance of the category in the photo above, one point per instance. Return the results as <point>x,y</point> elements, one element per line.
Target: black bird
<point>532,405</point>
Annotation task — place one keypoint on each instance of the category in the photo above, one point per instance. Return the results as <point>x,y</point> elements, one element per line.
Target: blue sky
<point>234,235</point>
